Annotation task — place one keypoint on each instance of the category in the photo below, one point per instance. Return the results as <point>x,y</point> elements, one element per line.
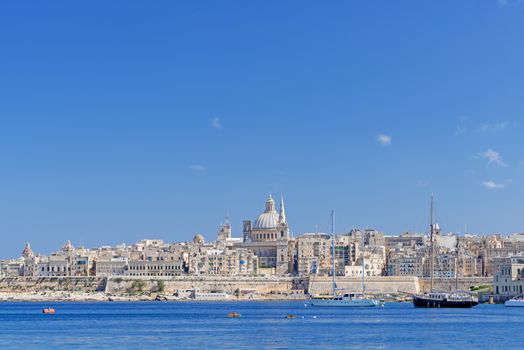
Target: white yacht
<point>347,299</point>
<point>517,301</point>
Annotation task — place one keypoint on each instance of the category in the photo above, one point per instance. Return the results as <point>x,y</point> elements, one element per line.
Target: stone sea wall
<point>449,284</point>
<point>247,287</point>
<point>68,284</point>
<point>230,285</point>
<point>377,285</point>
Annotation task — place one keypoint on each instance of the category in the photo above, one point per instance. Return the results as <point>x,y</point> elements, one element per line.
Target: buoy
<point>233,314</point>
<point>48,311</point>
<point>291,316</point>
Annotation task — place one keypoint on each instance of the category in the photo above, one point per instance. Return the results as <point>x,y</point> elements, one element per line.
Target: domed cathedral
<point>270,239</point>
<point>269,226</point>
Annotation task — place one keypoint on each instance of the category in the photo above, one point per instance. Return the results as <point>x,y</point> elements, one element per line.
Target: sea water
<point>204,325</point>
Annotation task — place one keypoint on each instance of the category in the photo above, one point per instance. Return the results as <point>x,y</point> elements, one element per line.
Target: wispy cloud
<point>493,157</point>
<point>197,167</point>
<point>463,126</point>
<point>498,126</point>
<point>384,140</point>
<point>215,122</point>
<point>492,185</point>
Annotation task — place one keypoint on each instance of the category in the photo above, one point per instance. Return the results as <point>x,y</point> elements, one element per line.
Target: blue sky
<point>126,120</point>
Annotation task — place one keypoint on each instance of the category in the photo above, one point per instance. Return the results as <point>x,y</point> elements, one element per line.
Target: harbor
<point>192,325</point>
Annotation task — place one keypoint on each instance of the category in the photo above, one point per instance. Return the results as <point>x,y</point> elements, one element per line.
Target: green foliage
<point>161,286</point>
<point>486,288</point>
<point>138,285</point>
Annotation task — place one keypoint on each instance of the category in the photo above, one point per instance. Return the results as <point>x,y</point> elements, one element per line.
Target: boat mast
<point>333,250</point>
<point>363,274</point>
<point>456,263</point>
<point>432,246</point>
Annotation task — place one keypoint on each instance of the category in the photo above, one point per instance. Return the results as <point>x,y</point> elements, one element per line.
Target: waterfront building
<point>508,279</point>
<point>210,260</point>
<point>11,267</point>
<point>405,263</point>
<point>313,254</point>
<point>404,241</point>
<point>111,266</point>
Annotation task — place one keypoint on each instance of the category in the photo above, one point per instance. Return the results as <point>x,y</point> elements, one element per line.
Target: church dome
<point>198,239</point>
<point>269,219</point>
<point>266,221</point>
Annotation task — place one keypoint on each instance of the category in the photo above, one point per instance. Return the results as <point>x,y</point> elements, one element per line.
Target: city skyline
<point>158,122</point>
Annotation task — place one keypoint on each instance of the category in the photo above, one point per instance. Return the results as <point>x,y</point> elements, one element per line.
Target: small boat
<point>48,311</point>
<point>291,316</point>
<point>517,301</point>
<point>234,315</point>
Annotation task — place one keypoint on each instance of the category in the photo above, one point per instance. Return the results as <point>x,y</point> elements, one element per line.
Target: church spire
<point>27,250</point>
<point>282,216</point>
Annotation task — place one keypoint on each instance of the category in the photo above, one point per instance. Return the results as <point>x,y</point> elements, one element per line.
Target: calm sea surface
<point>171,325</point>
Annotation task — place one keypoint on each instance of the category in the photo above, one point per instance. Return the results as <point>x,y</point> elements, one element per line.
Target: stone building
<point>508,279</point>
<point>404,263</point>
<point>313,254</point>
<point>269,238</point>
<point>111,266</point>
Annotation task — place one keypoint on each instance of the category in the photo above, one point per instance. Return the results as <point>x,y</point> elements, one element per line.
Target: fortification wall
<point>379,285</point>
<point>448,284</point>
<point>230,285</point>
<point>66,284</point>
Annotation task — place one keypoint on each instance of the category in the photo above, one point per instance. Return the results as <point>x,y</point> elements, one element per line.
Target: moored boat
<point>348,299</point>
<point>441,299</point>
<point>517,301</point>
<point>437,299</point>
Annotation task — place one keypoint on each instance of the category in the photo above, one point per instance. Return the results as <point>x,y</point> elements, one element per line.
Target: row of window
<point>155,267</point>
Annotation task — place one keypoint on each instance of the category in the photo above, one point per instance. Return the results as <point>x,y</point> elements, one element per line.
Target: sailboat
<point>347,299</point>
<point>442,299</point>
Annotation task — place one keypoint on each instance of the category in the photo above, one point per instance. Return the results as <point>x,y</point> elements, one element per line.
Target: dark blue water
<point>170,325</point>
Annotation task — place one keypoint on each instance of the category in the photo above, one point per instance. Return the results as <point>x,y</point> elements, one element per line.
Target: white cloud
<point>493,157</point>
<point>463,126</point>
<point>384,140</point>
<point>498,126</point>
<point>215,122</point>
<point>197,167</point>
<point>492,185</point>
